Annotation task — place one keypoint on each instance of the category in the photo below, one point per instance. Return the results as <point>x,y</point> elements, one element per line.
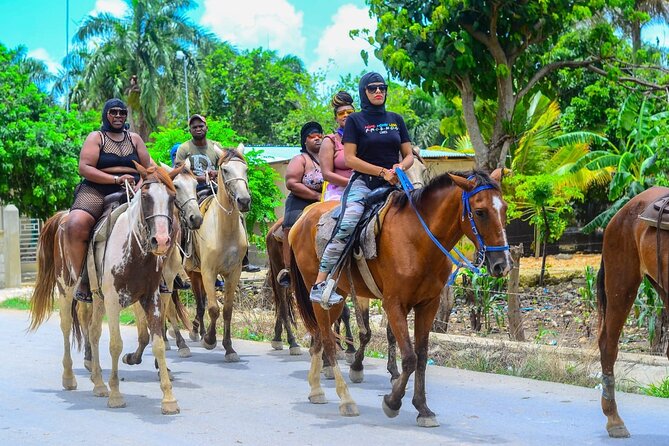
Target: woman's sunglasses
<point>381,87</point>
<point>314,136</point>
<point>117,112</point>
<point>342,113</point>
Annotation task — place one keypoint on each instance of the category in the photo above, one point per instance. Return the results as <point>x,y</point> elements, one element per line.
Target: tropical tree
<point>134,57</point>
<point>499,50</point>
<point>39,143</point>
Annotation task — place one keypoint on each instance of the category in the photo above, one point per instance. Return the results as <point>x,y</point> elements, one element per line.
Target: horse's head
<point>156,196</point>
<point>232,177</point>
<point>417,172</point>
<point>185,184</point>
<point>484,218</point>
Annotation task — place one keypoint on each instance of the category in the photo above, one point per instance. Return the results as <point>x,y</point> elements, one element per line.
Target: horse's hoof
<point>70,383</point>
<point>232,357</point>
<point>426,421</point>
<point>204,344</point>
<point>128,359</point>
<point>184,352</point>
<point>390,413</point>
<point>350,357</point>
<point>341,355</point>
<point>194,336</point>
<point>318,399</point>
<point>87,365</point>
<point>277,345</point>
<point>295,351</point>
<point>356,376</point>
<point>101,390</point>
<point>328,372</point>
<point>169,408</point>
<point>349,410</point>
<point>116,403</point>
<point>171,333</point>
<point>619,431</point>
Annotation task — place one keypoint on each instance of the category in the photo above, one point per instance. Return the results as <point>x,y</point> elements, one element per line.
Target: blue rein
<point>466,212</point>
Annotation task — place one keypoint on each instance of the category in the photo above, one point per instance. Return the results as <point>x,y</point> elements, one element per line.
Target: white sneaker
<point>317,294</point>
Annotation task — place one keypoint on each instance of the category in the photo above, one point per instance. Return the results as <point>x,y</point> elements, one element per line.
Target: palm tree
<point>657,10</point>
<point>134,57</point>
<point>37,71</point>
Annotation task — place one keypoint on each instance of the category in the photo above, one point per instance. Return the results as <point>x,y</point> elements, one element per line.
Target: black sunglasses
<point>381,87</point>
<point>117,112</point>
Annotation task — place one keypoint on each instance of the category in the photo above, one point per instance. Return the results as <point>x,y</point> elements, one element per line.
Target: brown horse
<point>631,251</point>
<point>410,272</point>
<point>131,261</point>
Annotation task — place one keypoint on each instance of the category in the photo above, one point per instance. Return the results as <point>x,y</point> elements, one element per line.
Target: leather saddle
<point>657,214</point>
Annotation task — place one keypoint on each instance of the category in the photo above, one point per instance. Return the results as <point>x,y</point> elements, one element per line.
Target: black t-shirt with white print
<point>378,136</point>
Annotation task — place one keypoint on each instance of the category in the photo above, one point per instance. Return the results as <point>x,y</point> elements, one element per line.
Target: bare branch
<point>547,69</point>
<point>635,80</point>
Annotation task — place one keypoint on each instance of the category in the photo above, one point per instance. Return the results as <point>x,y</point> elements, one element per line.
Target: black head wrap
<point>307,129</point>
<point>365,103</point>
<point>106,125</point>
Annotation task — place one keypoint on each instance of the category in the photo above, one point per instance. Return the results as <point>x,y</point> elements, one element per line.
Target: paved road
<point>262,401</point>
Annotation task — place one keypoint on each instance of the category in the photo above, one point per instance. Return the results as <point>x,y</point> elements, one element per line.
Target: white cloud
<point>252,23</point>
<point>42,55</point>
<point>337,53</point>
<point>117,8</point>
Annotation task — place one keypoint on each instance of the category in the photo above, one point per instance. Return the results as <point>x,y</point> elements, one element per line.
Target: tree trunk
<point>516,329</point>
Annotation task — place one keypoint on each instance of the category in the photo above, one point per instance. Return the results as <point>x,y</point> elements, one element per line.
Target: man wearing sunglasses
<point>106,165</point>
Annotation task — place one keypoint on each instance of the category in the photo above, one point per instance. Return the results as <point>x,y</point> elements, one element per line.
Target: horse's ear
<point>140,169</point>
<point>498,173</point>
<point>176,171</point>
<point>240,148</point>
<point>463,183</point>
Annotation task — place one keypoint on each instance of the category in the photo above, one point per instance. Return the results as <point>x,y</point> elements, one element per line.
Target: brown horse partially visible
<point>409,270</point>
<point>630,252</point>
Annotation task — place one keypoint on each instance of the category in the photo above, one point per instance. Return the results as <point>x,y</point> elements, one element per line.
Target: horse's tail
<point>601,295</point>
<point>302,296</point>
<point>182,314</point>
<point>42,299</point>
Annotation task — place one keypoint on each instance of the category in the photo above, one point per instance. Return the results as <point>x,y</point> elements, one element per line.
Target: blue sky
<point>314,30</point>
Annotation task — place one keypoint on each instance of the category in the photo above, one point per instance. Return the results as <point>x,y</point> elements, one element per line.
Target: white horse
<point>220,246</point>
<point>131,261</point>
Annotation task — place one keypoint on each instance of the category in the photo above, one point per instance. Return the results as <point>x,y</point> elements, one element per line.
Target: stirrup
<point>284,277</point>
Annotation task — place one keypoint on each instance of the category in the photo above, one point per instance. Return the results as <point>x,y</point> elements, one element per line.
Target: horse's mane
<point>161,175</point>
<point>229,154</point>
<point>440,182</point>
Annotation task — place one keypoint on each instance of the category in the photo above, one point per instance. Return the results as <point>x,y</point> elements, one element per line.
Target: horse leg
<point>113,309</point>
<point>350,349</point>
<point>277,342</point>
<point>155,322</point>
<point>231,282</point>
<point>171,314</point>
<point>392,355</point>
<point>142,337</point>
<point>397,318</point>
<point>316,395</point>
<point>356,372</point>
<point>337,333</point>
<point>199,294</point>
<point>94,333</point>
<point>425,314</point>
<point>208,340</point>
<point>612,318</point>
<point>68,379</point>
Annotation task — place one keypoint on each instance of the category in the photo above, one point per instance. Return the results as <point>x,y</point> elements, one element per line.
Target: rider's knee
<point>79,226</point>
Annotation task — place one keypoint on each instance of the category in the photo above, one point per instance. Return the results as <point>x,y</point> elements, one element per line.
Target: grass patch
<point>15,303</point>
<point>660,390</point>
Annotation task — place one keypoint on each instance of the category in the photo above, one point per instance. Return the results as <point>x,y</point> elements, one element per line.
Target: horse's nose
<point>160,243</point>
<point>500,267</point>
<point>195,221</point>
<point>244,203</point>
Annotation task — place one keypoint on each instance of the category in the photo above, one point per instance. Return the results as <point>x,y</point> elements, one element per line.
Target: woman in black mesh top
<point>106,163</point>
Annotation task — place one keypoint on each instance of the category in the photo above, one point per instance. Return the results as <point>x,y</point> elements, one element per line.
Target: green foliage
<point>39,144</point>
<point>265,196</point>
<point>647,308</point>
<point>15,303</point>
<point>588,292</point>
<point>488,295</point>
<point>660,390</point>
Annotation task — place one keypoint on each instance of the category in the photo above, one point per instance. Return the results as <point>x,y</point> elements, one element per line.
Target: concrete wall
<point>10,252</point>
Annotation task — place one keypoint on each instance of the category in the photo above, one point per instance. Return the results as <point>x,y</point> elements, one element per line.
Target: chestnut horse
<point>631,251</point>
<point>131,261</point>
<point>410,272</point>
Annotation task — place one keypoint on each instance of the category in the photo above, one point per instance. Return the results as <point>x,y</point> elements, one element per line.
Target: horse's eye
<point>176,186</point>
<point>479,212</point>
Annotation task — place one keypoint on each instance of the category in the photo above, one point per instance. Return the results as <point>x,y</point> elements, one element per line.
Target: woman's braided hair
<point>340,99</point>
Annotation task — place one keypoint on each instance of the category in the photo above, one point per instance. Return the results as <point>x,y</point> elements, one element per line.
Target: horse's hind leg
<point>199,295</point>
<point>115,348</point>
<point>94,333</point>
<point>142,337</point>
<point>391,365</point>
<point>424,318</point>
<point>350,349</point>
<point>68,379</point>
<point>316,395</point>
<point>231,282</point>
<point>356,372</point>
<point>623,287</point>
<point>171,315</point>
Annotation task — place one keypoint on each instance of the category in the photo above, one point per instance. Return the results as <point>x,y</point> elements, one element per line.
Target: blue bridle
<point>407,187</point>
